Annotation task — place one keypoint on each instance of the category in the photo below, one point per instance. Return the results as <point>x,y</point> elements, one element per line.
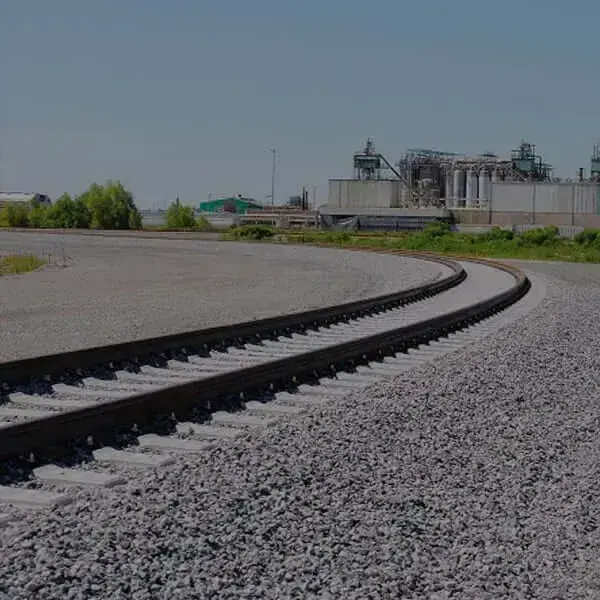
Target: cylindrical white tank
<point>449,188</point>
<point>474,187</point>
<point>470,188</point>
<point>496,175</point>
<point>457,187</point>
<point>484,186</point>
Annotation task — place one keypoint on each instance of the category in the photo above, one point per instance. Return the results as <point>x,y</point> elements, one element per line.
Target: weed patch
<point>250,232</point>
<point>16,264</point>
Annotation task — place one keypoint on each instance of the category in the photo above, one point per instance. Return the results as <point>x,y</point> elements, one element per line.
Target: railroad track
<point>85,418</point>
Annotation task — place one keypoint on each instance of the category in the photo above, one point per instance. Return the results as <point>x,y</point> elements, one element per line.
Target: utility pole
<point>273,172</point>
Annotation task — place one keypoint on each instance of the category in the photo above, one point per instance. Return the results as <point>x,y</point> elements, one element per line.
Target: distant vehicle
<point>23,198</point>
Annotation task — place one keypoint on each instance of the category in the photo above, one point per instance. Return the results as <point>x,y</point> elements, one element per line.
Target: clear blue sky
<point>186,97</point>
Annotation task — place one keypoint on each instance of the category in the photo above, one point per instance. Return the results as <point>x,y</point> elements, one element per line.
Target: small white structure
<point>22,198</point>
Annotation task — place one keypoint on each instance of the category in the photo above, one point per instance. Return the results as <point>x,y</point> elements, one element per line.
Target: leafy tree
<point>203,224</point>
<point>15,215</point>
<point>111,207</point>
<point>67,213</point>
<point>99,204</point>
<point>38,216</point>
<point>81,216</point>
<point>180,216</point>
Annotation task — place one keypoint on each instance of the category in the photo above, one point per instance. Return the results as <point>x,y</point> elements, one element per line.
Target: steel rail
<point>216,391</point>
<point>48,366</point>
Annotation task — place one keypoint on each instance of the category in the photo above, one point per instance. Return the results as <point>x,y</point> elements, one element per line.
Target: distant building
<point>234,205</point>
<point>22,198</point>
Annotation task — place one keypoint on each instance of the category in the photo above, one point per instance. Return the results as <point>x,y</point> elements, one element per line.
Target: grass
<point>539,244</point>
<point>15,264</point>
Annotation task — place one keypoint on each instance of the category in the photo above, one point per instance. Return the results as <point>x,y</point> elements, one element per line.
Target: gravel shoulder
<point>102,290</point>
<point>474,477</point>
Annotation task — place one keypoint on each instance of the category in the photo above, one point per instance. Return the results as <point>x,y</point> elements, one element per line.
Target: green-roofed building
<point>235,205</point>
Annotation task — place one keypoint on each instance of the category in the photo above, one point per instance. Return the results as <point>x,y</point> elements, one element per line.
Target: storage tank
<point>471,188</point>
<point>484,186</point>
<point>458,187</point>
<point>449,182</point>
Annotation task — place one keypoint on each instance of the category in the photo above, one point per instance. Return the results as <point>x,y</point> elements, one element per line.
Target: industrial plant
<point>426,184</point>
<point>435,178</point>
<point>517,189</point>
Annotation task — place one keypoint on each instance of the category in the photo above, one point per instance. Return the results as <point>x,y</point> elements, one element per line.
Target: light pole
<point>273,172</point>
<point>2,165</point>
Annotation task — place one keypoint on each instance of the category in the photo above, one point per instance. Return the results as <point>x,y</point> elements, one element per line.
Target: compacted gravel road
<point>475,477</point>
<point>123,288</point>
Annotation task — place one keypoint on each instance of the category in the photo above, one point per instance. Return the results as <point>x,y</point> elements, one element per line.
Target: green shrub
<point>438,229</point>
<point>15,215</point>
<point>497,233</point>
<point>180,216</point>
<point>308,237</point>
<point>539,237</point>
<point>588,237</point>
<point>337,237</point>
<point>252,232</point>
<point>203,224</point>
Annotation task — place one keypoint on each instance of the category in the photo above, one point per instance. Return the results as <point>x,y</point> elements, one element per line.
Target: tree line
<point>108,206</point>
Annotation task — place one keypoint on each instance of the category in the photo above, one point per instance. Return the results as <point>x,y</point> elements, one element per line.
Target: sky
<point>186,98</point>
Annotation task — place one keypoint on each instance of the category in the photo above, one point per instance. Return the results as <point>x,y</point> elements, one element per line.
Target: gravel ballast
<point>116,289</point>
<point>476,477</point>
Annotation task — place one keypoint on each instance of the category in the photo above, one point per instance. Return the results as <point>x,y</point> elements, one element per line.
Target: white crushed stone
<point>476,477</point>
<point>117,289</point>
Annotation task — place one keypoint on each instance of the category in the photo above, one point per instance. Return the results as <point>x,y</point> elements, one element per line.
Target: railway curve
<point>139,403</point>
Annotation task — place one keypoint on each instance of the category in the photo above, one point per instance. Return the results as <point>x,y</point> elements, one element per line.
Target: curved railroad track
<point>130,405</point>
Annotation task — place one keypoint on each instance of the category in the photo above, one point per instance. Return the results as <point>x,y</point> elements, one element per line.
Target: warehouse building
<point>237,205</point>
<point>538,203</point>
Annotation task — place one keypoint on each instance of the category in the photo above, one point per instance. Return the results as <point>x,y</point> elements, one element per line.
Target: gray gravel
<point>477,477</point>
<point>103,290</point>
